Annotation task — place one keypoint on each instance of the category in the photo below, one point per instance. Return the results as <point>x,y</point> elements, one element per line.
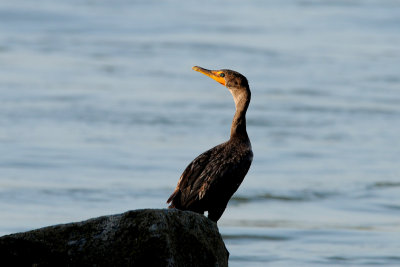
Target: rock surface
<point>148,237</point>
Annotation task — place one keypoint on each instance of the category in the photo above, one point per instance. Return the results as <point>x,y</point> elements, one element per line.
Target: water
<point>101,112</point>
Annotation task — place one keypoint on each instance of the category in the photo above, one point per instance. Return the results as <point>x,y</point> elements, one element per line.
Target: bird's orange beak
<point>213,74</point>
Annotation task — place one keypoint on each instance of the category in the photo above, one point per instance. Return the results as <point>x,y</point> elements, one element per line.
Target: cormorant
<point>211,179</point>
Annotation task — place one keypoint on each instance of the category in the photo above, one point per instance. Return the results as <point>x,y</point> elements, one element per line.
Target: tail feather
<point>172,199</point>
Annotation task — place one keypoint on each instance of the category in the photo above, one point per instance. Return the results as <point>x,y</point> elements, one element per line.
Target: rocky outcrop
<point>136,238</point>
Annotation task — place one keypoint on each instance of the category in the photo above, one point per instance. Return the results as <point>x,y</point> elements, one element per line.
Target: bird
<point>210,180</point>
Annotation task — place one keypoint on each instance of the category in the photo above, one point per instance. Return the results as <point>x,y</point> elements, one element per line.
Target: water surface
<point>100,113</point>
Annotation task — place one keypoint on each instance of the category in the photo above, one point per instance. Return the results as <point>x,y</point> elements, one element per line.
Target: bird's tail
<point>172,198</point>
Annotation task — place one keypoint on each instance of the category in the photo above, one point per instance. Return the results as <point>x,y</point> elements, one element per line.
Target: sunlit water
<point>100,112</point>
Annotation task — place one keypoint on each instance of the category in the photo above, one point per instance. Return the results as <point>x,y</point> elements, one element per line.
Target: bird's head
<point>231,79</point>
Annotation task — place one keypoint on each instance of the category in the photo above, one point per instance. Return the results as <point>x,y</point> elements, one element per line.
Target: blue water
<point>100,113</point>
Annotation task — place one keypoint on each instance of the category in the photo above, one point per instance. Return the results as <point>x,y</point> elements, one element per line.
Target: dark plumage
<point>211,179</point>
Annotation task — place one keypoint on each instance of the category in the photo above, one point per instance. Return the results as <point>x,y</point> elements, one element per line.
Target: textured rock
<point>135,238</point>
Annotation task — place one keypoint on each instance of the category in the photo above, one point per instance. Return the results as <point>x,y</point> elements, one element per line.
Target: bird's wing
<point>206,175</point>
<point>192,179</point>
<point>222,176</point>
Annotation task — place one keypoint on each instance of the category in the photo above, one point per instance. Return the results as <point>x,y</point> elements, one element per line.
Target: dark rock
<point>135,238</point>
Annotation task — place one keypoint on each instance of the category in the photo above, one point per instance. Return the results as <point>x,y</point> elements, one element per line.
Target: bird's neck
<point>238,128</point>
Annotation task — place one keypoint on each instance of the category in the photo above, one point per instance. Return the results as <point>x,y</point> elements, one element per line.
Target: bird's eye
<point>222,75</point>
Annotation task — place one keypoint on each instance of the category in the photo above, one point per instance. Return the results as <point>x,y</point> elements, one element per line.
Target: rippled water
<point>100,113</point>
